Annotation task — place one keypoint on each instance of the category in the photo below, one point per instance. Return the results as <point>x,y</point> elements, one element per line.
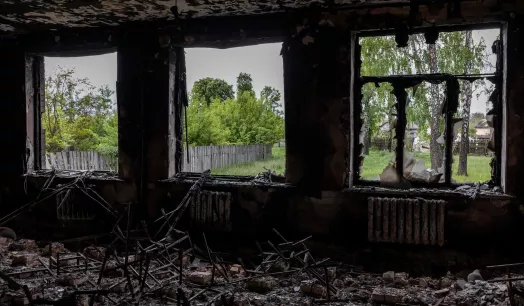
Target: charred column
<point>13,155</point>
<point>316,79</point>
<point>145,116</point>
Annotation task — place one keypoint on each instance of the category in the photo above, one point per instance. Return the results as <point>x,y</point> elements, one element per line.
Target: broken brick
<point>313,288</point>
<point>441,293</point>
<point>261,284</point>
<point>56,247</point>
<point>201,278</point>
<point>236,270</point>
<point>97,253</point>
<point>387,295</point>
<point>460,284</point>
<point>71,280</point>
<point>23,245</point>
<point>24,260</point>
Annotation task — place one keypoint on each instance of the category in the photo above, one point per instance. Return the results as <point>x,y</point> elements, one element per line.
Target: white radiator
<point>211,211</point>
<point>408,221</point>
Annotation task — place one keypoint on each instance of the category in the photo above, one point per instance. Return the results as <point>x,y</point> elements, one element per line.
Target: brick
<point>71,280</point>
<point>387,295</point>
<point>201,278</point>
<point>56,247</point>
<point>388,276</point>
<point>236,270</point>
<point>313,288</point>
<point>97,253</point>
<point>442,292</point>
<point>261,284</point>
<point>24,260</point>
<point>23,245</point>
<point>460,284</point>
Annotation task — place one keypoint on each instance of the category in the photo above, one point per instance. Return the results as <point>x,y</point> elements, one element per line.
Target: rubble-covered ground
<point>75,280</point>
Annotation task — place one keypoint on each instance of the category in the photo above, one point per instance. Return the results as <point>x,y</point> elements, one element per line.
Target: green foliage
<point>271,97</point>
<point>207,89</point>
<point>78,115</point>
<point>204,127</point>
<point>244,120</point>
<point>244,84</point>
<point>380,57</point>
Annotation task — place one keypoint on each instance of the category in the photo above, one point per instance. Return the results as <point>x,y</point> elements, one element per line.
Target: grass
<point>277,163</point>
<point>479,169</point>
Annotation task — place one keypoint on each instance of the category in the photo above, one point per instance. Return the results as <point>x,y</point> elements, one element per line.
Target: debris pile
<point>170,266</point>
<point>287,274</point>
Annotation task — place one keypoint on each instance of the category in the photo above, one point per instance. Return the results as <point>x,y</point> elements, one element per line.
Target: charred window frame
<point>401,83</point>
<point>35,106</point>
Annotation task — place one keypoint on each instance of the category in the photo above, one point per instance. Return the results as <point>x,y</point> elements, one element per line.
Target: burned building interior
<point>152,234</point>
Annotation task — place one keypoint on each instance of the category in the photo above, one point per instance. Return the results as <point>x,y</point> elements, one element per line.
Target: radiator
<point>69,206</point>
<point>408,221</point>
<point>211,211</point>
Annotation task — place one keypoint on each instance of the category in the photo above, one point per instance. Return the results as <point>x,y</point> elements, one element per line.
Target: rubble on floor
<point>170,266</point>
<point>76,275</point>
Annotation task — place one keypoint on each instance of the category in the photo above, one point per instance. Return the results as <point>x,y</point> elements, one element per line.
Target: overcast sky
<point>263,62</point>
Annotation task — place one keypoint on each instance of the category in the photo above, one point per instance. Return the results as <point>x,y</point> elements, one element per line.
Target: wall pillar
<point>513,108</point>
<point>316,79</point>
<point>145,115</point>
<point>13,155</point>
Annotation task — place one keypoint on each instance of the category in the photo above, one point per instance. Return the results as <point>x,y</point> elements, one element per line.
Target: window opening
<point>428,112</point>
<point>80,118</point>
<point>235,117</point>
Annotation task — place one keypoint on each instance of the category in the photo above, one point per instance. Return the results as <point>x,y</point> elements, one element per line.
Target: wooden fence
<point>215,157</point>
<point>77,160</point>
<point>476,146</point>
<point>200,158</point>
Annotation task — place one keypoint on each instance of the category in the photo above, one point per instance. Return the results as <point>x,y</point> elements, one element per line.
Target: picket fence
<point>200,158</point>
<point>80,160</point>
<point>216,157</point>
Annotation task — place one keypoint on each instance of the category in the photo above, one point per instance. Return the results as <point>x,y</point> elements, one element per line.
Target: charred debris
<point>167,266</point>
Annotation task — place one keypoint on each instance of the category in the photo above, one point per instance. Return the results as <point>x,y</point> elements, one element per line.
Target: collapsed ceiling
<point>19,16</point>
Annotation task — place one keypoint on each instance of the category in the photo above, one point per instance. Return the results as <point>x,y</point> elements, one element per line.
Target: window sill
<point>225,181</point>
<point>468,193</point>
<point>69,174</point>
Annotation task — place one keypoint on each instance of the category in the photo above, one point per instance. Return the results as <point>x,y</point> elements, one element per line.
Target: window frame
<point>358,81</point>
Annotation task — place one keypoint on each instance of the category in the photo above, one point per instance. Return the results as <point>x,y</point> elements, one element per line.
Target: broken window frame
<point>35,106</point>
<point>401,83</point>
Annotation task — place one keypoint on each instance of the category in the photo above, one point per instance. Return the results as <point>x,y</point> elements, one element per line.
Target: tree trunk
<point>367,140</point>
<point>434,100</point>
<point>464,139</point>
<point>390,134</point>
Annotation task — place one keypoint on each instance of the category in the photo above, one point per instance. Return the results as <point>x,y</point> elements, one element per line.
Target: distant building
<point>483,131</point>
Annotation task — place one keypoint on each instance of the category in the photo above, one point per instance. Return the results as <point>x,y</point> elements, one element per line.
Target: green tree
<point>244,120</point>
<point>271,97</point>
<point>204,127</point>
<point>76,113</point>
<point>207,89</point>
<point>244,84</point>
<point>381,56</point>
